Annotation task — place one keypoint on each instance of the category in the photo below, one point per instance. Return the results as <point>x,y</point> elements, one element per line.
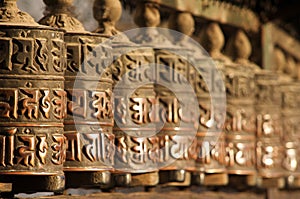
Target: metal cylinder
<point>88,84</point>
<point>89,122</point>
<point>210,162</point>
<point>291,117</point>
<point>135,114</point>
<point>240,123</point>
<point>133,104</point>
<point>33,105</point>
<point>270,150</point>
<point>178,101</point>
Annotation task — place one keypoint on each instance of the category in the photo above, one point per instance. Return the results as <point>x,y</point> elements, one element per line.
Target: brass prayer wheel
<point>178,105</point>
<point>33,102</point>
<point>136,114</point>
<point>270,149</point>
<point>290,103</point>
<point>88,84</point>
<point>133,101</point>
<point>181,122</point>
<point>133,104</point>
<point>240,125</point>
<point>210,137</point>
<point>89,123</point>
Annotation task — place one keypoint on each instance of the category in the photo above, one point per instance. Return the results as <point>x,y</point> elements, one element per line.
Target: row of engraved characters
<point>245,154</point>
<point>100,147</point>
<point>32,103</point>
<point>232,154</point>
<point>169,70</point>
<point>136,67</point>
<point>32,55</point>
<point>31,150</point>
<point>144,110</point>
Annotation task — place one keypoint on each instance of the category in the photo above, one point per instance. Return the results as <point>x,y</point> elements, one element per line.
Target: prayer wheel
<point>32,101</point>
<point>88,84</point>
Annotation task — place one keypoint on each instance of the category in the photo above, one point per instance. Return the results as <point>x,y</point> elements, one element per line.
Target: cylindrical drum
<point>135,114</point>
<point>240,123</point>
<point>32,102</point>
<point>270,150</point>
<point>178,113</point>
<point>291,121</point>
<point>210,90</point>
<point>89,122</point>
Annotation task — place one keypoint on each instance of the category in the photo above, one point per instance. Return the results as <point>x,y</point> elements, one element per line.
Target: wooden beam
<point>221,12</point>
<point>273,36</point>
<point>168,195</point>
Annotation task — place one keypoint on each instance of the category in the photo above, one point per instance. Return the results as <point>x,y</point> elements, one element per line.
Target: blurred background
<point>36,8</point>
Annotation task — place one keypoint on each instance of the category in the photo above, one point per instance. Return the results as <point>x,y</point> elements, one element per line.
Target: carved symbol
<point>199,80</point>
<point>42,148</point>
<point>117,70</point>
<point>240,120</point>
<point>26,153</point>
<point>175,72</point>
<point>140,110</point>
<point>102,105</point>
<point>210,151</point>
<point>135,64</point>
<point>153,152</point>
<point>268,157</point>
<point>230,155</point>
<point>58,50</point>
<point>120,110</point>
<point>74,147</point>
<point>59,102</point>
<point>143,110</point>
<point>93,149</point>
<point>59,149</point>
<point>99,147</point>
<point>8,103</point>
<point>140,149</point>
<point>73,57</point>
<point>265,125</point>
<point>241,154</point>
<point>6,49</point>
<point>7,146</point>
<point>206,116</point>
<point>30,103</point>
<point>179,149</point>
<point>97,58</point>
<point>138,74</point>
<point>171,112</point>
<point>290,162</point>
<point>122,149</point>
<point>41,59</point>
<point>239,86</point>
<point>23,54</point>
<point>77,103</point>
<point>204,156</point>
<point>46,104</point>
<point>154,109</point>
